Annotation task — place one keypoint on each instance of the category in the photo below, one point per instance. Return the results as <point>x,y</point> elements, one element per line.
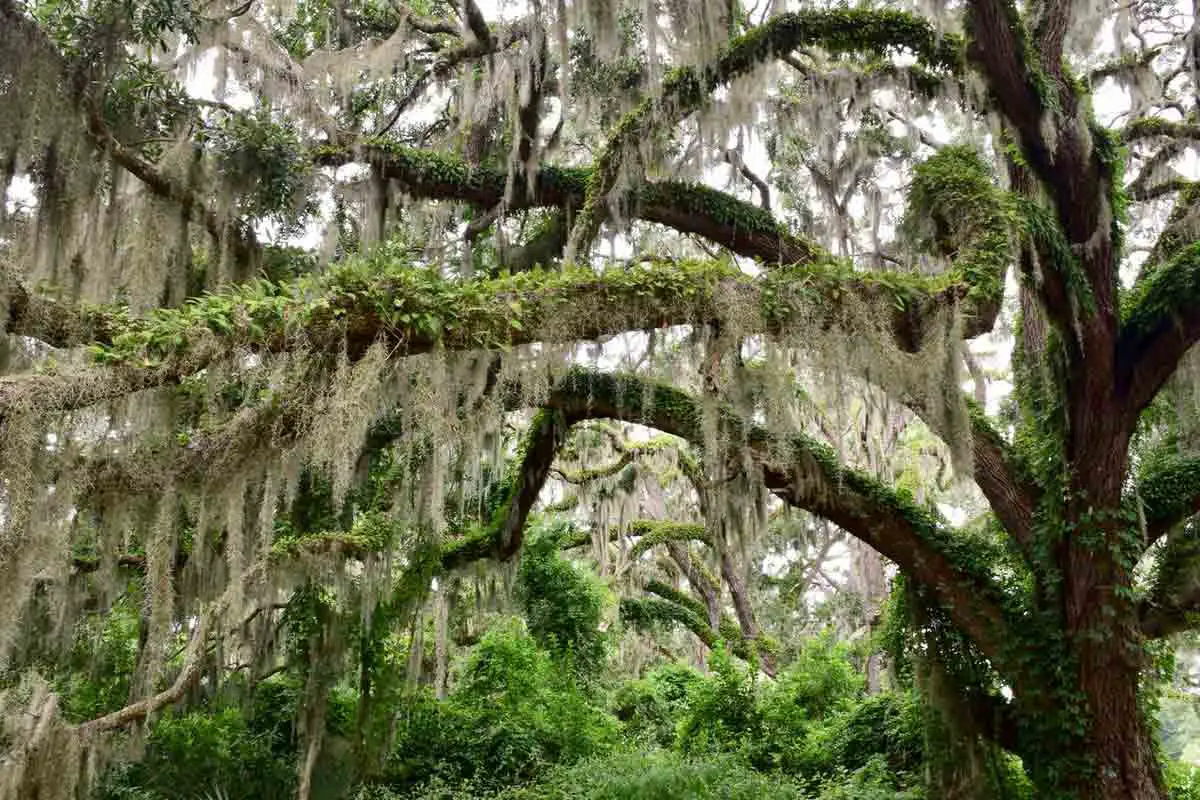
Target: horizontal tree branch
<point>743,228</point>
<point>1154,127</point>
<point>415,311</point>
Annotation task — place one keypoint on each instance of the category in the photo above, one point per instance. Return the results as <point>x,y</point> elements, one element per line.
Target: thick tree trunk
<point>1122,746</point>
<point>1120,742</point>
<point>1113,756</point>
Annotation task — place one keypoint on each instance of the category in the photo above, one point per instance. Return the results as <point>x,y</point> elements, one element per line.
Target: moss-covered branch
<point>1155,127</point>
<point>651,533</point>
<point>415,310</point>
<point>807,474</point>
<point>687,89</point>
<point>671,606</point>
<point>1161,321</point>
<point>743,228</point>
<point>1168,488</point>
<point>501,536</point>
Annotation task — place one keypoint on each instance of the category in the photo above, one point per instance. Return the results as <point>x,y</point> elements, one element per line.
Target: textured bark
<point>869,582</point>
<point>744,610</point>
<point>710,592</point>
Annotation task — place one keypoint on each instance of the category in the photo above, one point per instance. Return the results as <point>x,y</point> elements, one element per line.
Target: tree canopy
<point>313,309</point>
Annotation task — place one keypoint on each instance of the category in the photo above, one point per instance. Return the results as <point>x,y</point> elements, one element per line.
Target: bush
<point>650,707</point>
<point>723,713</point>
<point>203,754</point>
<point>512,714</point>
<point>872,781</point>
<point>1183,781</point>
<point>562,604</point>
<point>657,776</point>
<point>887,725</point>
<point>804,709</point>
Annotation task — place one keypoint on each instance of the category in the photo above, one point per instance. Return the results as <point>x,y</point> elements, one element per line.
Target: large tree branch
<point>806,474</point>
<point>669,605</point>
<point>415,311</point>
<point>1162,323</point>
<point>1155,127</point>
<point>999,475</point>
<point>742,227</point>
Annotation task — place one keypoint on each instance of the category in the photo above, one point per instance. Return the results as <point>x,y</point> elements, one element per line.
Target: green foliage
<point>205,754</point>
<point>267,166</point>
<point>955,210</point>
<point>658,776</point>
<point>562,604</point>
<point>649,708</point>
<point>1183,781</point>
<point>97,672</point>
<point>78,28</point>
<point>723,714</point>
<point>873,781</point>
<point>512,715</point>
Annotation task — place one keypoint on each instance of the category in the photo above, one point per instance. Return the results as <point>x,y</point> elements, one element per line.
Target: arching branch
<point>806,474</point>
<point>687,89</point>
<point>742,227</point>
<point>652,533</point>
<point>1156,127</point>
<point>669,605</point>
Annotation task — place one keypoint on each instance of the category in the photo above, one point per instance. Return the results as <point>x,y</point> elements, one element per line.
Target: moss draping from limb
<point>652,533</point>
<point>686,89</point>
<point>415,310</point>
<point>743,228</point>
<point>808,475</point>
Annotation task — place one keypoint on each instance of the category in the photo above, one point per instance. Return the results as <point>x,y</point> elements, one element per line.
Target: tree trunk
<point>1116,759</point>
<point>1122,745</point>
<point>1112,755</point>
<point>441,627</point>
<point>869,582</point>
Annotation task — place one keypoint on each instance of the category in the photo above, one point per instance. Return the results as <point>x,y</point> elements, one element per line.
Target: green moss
<point>1164,295</point>
<point>955,210</point>
<point>412,305</point>
<point>371,532</point>
<point>1168,485</point>
<point>652,533</point>
<point>674,607</point>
